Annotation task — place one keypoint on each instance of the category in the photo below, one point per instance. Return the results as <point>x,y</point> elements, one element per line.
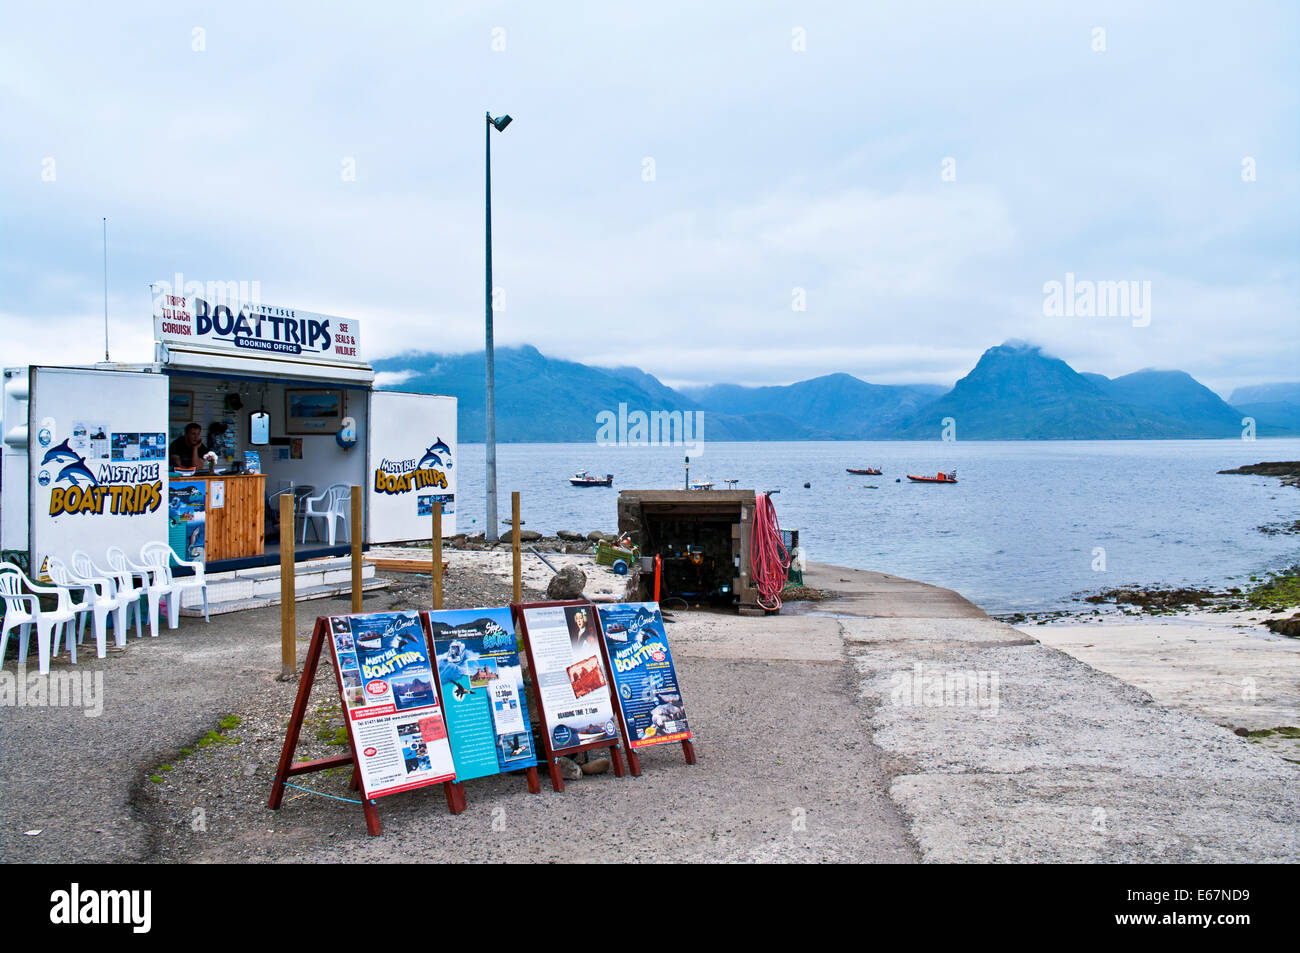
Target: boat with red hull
<point>941,478</point>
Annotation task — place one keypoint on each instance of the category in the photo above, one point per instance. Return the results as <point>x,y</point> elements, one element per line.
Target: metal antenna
<point>105,220</point>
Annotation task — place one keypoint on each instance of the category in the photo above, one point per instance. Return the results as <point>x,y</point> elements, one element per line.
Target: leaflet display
<point>569,675</point>
<point>644,677</point>
<point>482,682</point>
<point>390,701</point>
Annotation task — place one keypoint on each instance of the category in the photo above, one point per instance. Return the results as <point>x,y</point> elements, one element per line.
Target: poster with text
<point>644,678</point>
<point>186,516</point>
<point>572,686</point>
<point>483,691</point>
<point>391,701</point>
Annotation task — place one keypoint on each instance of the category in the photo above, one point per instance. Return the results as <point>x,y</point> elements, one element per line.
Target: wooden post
<point>437,554</point>
<point>514,546</point>
<point>288,595</point>
<point>357,531</point>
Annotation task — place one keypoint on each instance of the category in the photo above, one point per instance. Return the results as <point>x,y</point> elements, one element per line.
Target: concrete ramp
<point>1000,748</point>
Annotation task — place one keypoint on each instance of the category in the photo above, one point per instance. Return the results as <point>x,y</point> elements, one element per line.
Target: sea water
<point>1029,525</point>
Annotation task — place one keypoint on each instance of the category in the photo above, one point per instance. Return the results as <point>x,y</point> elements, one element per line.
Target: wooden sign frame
<point>286,769</point>
<point>614,744</point>
<point>633,758</point>
<point>530,772</point>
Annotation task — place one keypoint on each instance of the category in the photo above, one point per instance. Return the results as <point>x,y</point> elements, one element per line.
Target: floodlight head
<point>500,122</point>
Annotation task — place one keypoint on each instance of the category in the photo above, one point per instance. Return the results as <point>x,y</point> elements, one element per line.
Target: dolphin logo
<point>77,472</point>
<point>61,452</point>
<point>434,455</point>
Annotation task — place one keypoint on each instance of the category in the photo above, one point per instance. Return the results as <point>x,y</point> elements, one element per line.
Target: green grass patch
<point>1280,590</point>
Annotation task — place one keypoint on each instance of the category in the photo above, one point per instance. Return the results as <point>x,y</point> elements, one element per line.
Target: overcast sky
<point>794,146</point>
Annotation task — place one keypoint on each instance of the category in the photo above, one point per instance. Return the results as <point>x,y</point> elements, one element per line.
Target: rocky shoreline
<point>1276,594</point>
<point>1288,471</point>
<point>562,541</point>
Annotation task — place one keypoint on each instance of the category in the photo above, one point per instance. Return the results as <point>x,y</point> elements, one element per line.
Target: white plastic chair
<point>335,505</point>
<point>161,554</point>
<point>12,582</point>
<point>99,600</point>
<point>158,586</point>
<point>124,588</point>
<point>273,502</point>
<point>123,570</point>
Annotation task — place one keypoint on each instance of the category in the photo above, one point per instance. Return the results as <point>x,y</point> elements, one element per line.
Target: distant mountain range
<point>1014,392</point>
<point>1273,405</point>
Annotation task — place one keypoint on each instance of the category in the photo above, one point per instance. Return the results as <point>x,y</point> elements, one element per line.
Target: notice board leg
<point>616,755</point>
<point>634,763</point>
<point>455,792</point>
<point>373,827</point>
<point>299,713</point>
<point>689,750</point>
<point>557,782</point>
<point>534,782</point>
<point>355,783</point>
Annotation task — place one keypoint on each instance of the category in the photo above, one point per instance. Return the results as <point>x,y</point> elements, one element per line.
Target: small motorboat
<point>869,471</point>
<point>705,484</point>
<point>950,477</point>
<point>583,478</point>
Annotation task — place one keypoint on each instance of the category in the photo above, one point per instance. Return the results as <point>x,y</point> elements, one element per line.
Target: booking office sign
<point>644,677</point>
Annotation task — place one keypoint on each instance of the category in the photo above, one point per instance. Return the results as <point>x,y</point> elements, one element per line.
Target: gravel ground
<point>162,697</point>
<point>179,766</point>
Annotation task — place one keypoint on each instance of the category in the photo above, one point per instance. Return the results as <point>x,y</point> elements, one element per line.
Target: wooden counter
<point>235,529</point>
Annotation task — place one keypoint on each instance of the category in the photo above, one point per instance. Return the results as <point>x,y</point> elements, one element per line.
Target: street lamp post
<point>490,531</point>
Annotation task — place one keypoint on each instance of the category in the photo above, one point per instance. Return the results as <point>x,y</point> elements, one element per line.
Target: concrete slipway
<point>813,747</point>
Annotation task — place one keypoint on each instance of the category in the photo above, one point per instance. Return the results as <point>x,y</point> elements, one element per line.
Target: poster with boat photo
<point>569,675</point>
<point>391,701</point>
<point>485,704</point>
<point>645,680</point>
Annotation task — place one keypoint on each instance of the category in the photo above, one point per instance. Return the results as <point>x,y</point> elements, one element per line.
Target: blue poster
<point>483,691</point>
<point>186,514</point>
<point>644,677</point>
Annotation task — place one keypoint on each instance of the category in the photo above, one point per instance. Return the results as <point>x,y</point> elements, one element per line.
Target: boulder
<point>569,536</point>
<point>569,769</point>
<point>568,583</point>
<point>529,536</point>
<point>595,535</point>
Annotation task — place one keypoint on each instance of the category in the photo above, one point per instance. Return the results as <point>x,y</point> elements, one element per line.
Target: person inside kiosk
<point>186,451</point>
